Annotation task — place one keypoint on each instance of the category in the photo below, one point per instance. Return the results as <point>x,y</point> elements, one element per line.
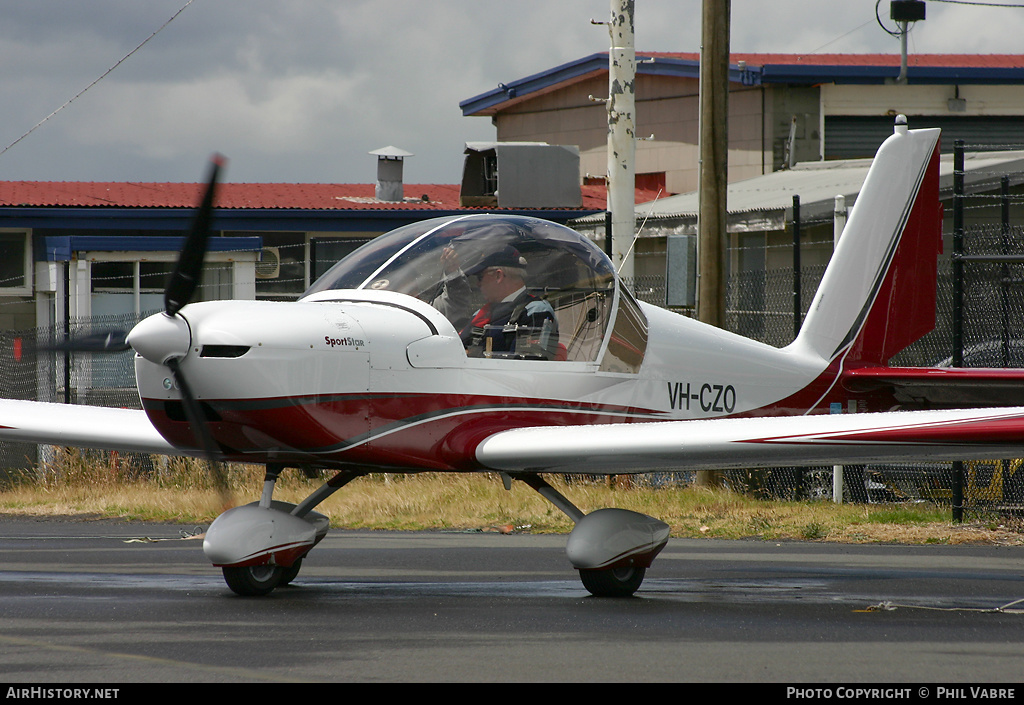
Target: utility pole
<point>713,175</point>
<point>714,155</point>
<point>622,135</point>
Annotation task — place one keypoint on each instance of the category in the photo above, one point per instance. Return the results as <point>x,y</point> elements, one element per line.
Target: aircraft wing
<point>945,387</point>
<point>747,442</point>
<point>751,442</point>
<point>83,426</point>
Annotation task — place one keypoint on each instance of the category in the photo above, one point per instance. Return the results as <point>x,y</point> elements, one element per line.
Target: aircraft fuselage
<point>378,377</point>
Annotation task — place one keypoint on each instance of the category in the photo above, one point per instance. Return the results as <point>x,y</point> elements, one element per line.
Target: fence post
<point>797,306</point>
<point>1004,270</point>
<point>838,224</point>
<point>958,302</point>
<point>67,331</point>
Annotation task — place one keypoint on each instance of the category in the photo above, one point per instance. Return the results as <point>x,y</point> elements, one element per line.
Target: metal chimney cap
<point>391,152</point>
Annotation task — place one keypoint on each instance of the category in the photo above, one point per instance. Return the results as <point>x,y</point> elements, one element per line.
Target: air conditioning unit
<point>269,264</point>
<point>520,175</point>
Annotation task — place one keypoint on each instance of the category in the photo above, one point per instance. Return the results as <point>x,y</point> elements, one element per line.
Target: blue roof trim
<point>535,82</point>
<point>248,219</point>
<point>688,68</point>
<point>647,65</point>
<point>59,248</point>
<point>748,76</point>
<point>801,73</point>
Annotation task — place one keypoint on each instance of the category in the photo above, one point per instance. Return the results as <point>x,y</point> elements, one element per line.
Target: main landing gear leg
<point>260,546</point>
<point>611,548</point>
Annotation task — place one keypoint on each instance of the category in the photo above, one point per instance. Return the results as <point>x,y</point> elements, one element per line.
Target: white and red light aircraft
<point>365,373</point>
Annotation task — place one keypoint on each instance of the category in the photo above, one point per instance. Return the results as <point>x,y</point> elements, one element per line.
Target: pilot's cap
<point>507,256</point>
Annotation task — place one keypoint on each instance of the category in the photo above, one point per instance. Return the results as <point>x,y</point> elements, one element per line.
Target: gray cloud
<point>301,91</point>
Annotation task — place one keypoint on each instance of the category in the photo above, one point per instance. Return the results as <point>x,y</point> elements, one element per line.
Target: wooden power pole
<point>714,156</point>
<point>714,172</point>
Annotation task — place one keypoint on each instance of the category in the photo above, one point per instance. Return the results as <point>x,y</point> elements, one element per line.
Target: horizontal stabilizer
<point>941,387</point>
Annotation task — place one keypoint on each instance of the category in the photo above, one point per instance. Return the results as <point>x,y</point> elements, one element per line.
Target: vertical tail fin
<point>878,293</point>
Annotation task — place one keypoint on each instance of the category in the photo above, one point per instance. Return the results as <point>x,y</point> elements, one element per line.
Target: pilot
<point>455,298</point>
<point>513,322</point>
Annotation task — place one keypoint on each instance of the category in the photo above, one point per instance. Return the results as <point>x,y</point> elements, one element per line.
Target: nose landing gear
<point>260,546</point>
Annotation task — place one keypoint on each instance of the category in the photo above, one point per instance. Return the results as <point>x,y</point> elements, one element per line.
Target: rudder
<point>878,293</point>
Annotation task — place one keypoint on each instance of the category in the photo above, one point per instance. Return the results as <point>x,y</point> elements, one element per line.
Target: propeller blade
<point>199,424</point>
<point>183,281</point>
<point>104,342</point>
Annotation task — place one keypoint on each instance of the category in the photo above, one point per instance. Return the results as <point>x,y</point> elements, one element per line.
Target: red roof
<point>1002,61</point>
<point>64,194</point>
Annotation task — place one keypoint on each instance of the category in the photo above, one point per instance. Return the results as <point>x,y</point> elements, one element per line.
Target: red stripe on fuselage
<point>410,431</point>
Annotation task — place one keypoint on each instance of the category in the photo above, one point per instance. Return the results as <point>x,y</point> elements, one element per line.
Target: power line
<point>842,36</point>
<point>105,73</point>
<point>982,4</point>
<point>976,3</point>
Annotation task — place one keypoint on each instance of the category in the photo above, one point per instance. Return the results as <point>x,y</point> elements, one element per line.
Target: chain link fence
<point>992,314</point>
<point>759,306</point>
<point>33,367</point>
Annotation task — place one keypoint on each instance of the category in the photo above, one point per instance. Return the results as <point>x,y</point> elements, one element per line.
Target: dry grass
<point>182,491</point>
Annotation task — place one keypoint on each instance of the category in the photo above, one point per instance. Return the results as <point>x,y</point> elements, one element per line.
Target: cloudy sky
<point>301,90</point>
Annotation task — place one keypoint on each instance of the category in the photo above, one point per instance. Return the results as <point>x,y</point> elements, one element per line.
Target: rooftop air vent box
<point>521,175</point>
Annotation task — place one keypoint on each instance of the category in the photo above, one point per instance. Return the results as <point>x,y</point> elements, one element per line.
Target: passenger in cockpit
<point>513,322</point>
<point>455,299</point>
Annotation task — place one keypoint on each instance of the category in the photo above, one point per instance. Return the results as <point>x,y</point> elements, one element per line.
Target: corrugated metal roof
<point>818,183</point>
<point>814,182</point>
<point>250,196</point>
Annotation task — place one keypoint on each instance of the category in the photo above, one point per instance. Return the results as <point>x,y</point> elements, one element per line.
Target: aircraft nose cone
<point>161,337</point>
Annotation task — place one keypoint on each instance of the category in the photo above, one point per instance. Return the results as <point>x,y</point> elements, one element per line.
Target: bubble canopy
<point>424,260</point>
<point>409,259</point>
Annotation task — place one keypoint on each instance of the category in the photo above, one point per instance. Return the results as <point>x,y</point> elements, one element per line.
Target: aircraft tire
<point>290,573</point>
<point>253,581</point>
<point>612,582</point>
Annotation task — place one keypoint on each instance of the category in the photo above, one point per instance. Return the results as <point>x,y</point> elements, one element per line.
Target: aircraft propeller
<point>108,341</point>
<point>166,339</point>
<point>185,278</point>
<point>180,289</point>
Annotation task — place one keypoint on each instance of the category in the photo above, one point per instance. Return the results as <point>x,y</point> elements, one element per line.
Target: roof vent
<point>389,173</point>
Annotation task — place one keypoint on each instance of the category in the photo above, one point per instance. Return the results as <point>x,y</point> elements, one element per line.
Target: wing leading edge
<point>760,442</point>
<point>749,442</point>
<point>81,426</point>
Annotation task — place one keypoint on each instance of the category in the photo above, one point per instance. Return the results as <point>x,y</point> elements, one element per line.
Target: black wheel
<point>290,573</point>
<point>612,582</point>
<point>254,580</point>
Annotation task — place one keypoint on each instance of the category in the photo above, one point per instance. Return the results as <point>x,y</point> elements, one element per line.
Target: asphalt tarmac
<point>108,602</point>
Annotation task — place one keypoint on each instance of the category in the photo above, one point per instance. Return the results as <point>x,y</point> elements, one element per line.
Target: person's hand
<point>449,260</point>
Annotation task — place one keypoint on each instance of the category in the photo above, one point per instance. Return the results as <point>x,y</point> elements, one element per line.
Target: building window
<point>137,286</point>
<point>281,268</point>
<point>15,264</point>
<point>327,252</point>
